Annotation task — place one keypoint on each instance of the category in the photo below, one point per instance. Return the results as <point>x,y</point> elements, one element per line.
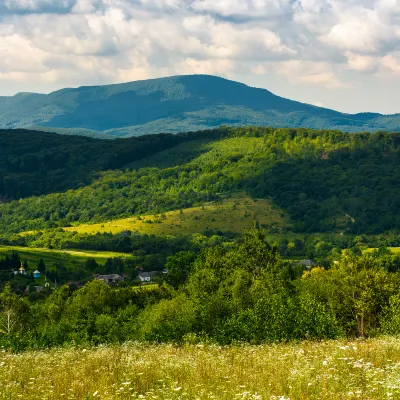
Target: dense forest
<point>34,163</point>
<point>327,181</point>
<point>242,293</point>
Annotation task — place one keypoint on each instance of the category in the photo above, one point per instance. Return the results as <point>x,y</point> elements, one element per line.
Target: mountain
<point>171,105</point>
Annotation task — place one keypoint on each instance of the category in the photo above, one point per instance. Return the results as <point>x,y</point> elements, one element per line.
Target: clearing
<point>68,258</point>
<point>230,215</point>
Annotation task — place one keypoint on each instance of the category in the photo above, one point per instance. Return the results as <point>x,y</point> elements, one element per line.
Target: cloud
<point>391,63</point>
<point>360,63</point>
<point>313,73</point>
<point>307,43</point>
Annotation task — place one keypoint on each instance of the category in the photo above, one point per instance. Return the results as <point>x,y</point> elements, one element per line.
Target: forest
<point>245,292</point>
<point>326,181</point>
<point>324,269</point>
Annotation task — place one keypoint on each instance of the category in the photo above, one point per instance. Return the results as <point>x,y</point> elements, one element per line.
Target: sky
<point>339,54</point>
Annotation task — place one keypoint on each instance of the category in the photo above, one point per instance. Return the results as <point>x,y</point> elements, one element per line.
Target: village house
<point>76,284</point>
<point>145,277</point>
<point>148,276</point>
<point>307,263</point>
<point>109,279</point>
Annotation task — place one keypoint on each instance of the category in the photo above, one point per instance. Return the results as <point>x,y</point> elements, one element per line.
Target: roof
<point>21,268</point>
<point>308,263</point>
<point>36,272</point>
<point>74,283</point>
<point>145,274</point>
<point>109,277</point>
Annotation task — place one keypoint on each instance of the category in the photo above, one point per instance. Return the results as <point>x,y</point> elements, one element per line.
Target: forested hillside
<point>34,163</point>
<point>173,104</point>
<point>325,181</point>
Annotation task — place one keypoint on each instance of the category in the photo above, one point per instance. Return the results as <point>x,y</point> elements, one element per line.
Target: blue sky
<point>339,54</point>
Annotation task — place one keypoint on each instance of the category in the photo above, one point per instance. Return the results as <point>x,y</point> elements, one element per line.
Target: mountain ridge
<point>171,105</point>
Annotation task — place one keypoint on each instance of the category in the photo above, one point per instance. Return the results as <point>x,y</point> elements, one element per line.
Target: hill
<point>34,163</point>
<point>174,104</point>
<point>325,181</point>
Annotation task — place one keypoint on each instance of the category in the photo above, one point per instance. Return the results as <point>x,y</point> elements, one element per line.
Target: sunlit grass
<point>395,250</point>
<point>309,370</point>
<point>231,215</point>
<point>53,257</point>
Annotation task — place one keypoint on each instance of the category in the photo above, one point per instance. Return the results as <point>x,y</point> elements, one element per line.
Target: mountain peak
<point>174,104</point>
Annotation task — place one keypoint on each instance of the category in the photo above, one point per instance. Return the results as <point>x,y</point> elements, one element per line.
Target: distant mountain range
<point>175,104</point>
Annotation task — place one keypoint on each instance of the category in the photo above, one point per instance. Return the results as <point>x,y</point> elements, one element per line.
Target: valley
<point>231,235</point>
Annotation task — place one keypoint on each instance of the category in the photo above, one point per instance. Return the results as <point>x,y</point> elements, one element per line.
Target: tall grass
<point>309,370</point>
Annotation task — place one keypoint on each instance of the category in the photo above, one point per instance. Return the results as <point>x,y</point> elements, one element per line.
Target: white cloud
<point>313,73</point>
<point>360,63</point>
<point>391,62</point>
<point>307,43</point>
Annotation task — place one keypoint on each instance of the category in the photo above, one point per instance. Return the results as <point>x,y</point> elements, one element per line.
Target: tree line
<point>244,292</point>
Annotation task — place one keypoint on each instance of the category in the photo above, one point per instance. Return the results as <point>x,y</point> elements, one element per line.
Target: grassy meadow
<point>230,215</point>
<point>52,257</point>
<point>309,370</point>
<point>395,250</point>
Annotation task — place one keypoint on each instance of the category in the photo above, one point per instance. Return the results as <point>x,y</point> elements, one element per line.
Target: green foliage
<point>34,163</point>
<point>243,292</point>
<point>326,181</point>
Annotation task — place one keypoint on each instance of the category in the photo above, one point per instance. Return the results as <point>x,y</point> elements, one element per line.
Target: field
<point>309,370</point>
<point>231,215</point>
<point>395,250</point>
<point>68,258</point>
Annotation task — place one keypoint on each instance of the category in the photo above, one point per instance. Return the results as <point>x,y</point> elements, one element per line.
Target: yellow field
<point>231,215</point>
<point>395,250</point>
<point>67,258</point>
<point>74,253</point>
<point>306,371</point>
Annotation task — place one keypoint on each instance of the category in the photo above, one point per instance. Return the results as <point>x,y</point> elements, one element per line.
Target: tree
<point>14,312</point>
<point>41,266</point>
<point>15,261</point>
<point>179,267</point>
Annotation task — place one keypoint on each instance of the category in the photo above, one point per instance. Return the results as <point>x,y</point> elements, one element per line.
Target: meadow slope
<point>68,258</point>
<point>308,370</point>
<point>230,215</point>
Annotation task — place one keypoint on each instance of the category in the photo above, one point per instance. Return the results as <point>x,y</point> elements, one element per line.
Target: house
<point>109,279</point>
<point>148,276</point>
<point>36,274</point>
<point>307,263</point>
<point>145,276</point>
<point>78,285</point>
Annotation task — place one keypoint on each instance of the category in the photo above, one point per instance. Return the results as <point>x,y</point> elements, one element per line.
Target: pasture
<point>230,215</point>
<point>308,370</point>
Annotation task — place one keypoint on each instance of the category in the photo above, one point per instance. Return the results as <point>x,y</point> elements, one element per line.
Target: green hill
<point>174,104</point>
<point>34,163</point>
<point>325,181</point>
